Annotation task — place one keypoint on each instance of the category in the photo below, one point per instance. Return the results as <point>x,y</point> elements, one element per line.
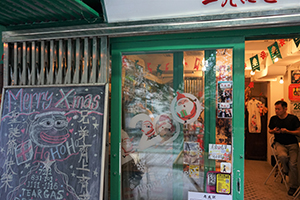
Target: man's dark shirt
<point>291,123</point>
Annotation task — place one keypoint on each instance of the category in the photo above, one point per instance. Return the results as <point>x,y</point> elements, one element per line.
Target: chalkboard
<point>52,142</point>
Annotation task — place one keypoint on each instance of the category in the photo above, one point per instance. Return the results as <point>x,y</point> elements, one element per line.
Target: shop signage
<point>234,4</point>
<point>294,92</point>
<point>135,10</point>
<point>53,142</point>
<point>207,196</point>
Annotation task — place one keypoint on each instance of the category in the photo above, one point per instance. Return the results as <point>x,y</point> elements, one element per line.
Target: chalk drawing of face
<point>49,129</point>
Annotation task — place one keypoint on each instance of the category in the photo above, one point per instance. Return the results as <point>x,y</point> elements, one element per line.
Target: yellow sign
<point>223,183</point>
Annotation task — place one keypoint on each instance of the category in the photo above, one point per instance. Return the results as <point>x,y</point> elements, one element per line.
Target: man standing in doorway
<point>285,128</point>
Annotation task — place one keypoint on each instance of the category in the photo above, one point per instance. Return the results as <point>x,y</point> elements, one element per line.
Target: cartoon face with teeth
<point>49,129</point>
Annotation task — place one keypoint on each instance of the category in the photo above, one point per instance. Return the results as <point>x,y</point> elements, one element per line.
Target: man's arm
<point>295,132</point>
<point>272,126</point>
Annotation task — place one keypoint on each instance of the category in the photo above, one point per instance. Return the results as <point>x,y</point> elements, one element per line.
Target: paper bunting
<point>297,41</point>
<point>282,42</point>
<point>263,55</point>
<point>255,63</point>
<point>274,51</point>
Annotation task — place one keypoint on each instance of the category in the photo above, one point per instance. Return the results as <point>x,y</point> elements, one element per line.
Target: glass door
<point>176,118</point>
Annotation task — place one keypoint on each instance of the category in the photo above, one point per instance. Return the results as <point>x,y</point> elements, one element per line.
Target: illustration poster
<point>223,183</point>
<point>219,152</point>
<point>224,99</point>
<point>224,73</point>
<point>53,142</point>
<point>295,76</point>
<point>295,108</point>
<point>225,167</point>
<point>224,110</point>
<point>225,92</point>
<point>294,92</point>
<point>211,182</point>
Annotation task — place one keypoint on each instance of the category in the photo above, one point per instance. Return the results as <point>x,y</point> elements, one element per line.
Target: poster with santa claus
<point>185,108</point>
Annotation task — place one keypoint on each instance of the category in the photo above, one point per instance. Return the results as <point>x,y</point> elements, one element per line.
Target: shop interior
<point>271,74</point>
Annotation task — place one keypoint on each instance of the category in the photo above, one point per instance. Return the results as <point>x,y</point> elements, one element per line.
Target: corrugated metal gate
<point>52,62</point>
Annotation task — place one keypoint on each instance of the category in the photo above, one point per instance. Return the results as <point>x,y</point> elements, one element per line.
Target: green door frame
<point>176,44</point>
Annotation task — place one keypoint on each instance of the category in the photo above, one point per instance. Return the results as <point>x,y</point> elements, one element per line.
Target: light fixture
<point>276,59</point>
<point>252,72</point>
<point>281,80</point>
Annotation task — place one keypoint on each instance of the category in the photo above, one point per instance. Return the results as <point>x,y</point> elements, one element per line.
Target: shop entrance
<point>179,123</point>
<point>271,74</point>
<point>271,71</point>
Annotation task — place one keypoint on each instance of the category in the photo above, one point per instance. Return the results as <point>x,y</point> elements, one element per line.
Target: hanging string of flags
<point>273,51</point>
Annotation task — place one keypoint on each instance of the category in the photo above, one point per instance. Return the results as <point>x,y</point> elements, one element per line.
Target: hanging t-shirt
<point>254,123</point>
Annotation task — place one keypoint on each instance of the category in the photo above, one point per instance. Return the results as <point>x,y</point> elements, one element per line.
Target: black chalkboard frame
<point>104,126</point>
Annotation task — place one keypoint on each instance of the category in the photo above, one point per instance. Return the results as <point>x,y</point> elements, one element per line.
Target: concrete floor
<point>256,172</point>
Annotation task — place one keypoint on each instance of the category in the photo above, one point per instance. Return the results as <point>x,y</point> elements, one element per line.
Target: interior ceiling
<point>254,47</point>
<point>16,13</point>
<point>276,69</point>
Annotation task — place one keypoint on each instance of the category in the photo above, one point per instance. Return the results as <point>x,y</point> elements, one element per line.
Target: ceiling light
<point>252,72</point>
<point>281,80</point>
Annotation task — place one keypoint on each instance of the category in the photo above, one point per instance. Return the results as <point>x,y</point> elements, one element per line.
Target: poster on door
<point>295,108</point>
<point>295,76</point>
<point>219,152</point>
<point>224,99</point>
